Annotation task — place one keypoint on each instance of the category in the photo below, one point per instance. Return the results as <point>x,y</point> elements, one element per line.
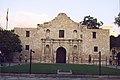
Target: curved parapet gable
<point>61,20</point>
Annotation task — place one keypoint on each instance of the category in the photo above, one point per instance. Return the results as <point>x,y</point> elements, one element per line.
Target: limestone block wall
<point>75,35</point>
<point>34,40</point>
<point>61,22</point>
<point>101,41</point>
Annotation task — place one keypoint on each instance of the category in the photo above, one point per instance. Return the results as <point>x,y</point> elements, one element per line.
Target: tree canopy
<point>91,22</point>
<point>9,42</point>
<point>114,41</point>
<point>117,20</point>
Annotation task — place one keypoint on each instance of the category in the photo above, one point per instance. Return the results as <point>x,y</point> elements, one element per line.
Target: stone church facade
<point>62,40</point>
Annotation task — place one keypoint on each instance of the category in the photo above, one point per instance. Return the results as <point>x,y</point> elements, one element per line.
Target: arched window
<point>47,49</point>
<point>75,34</point>
<point>74,49</point>
<point>81,36</point>
<point>47,46</point>
<point>47,33</point>
<point>47,54</point>
<point>75,31</point>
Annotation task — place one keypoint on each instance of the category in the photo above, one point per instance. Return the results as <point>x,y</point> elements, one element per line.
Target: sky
<point>29,13</point>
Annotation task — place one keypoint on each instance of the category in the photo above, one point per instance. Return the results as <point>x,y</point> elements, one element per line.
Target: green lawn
<point>39,68</point>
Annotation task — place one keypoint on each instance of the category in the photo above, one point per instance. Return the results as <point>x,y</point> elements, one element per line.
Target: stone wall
<point>77,41</point>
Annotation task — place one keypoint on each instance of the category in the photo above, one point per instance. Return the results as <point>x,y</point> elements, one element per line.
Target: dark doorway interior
<point>61,55</point>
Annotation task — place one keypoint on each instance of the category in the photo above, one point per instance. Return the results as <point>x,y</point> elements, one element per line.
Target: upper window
<point>75,31</point>
<point>81,36</point>
<point>95,49</point>
<point>75,34</point>
<point>27,33</point>
<point>26,47</point>
<point>47,33</point>
<point>94,34</point>
<point>61,33</point>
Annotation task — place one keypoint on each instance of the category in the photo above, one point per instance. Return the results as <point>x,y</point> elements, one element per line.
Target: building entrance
<point>61,55</point>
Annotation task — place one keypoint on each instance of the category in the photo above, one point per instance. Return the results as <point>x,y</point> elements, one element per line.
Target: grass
<point>39,68</point>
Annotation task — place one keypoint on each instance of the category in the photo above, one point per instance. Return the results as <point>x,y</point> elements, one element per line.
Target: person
<point>113,54</point>
<point>89,59</point>
<point>25,58</point>
<point>118,58</point>
<point>20,58</point>
<point>110,60</point>
<point>2,59</point>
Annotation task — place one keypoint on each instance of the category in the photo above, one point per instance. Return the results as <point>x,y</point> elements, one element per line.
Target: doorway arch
<point>61,55</point>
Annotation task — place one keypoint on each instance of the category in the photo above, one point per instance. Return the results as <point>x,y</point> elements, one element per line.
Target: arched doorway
<point>61,55</point>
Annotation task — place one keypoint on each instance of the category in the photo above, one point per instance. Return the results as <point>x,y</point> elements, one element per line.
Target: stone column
<point>69,51</point>
<point>42,47</point>
<point>52,54</point>
<point>81,51</point>
<point>72,56</point>
<point>44,57</point>
<point>78,51</point>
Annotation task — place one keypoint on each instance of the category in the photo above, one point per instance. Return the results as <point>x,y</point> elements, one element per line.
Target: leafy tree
<point>114,41</point>
<point>117,20</point>
<point>9,43</point>
<point>91,22</point>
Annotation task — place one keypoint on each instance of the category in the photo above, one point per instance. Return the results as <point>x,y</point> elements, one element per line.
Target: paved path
<point>112,66</point>
<point>56,77</point>
<point>49,78</point>
<point>9,64</point>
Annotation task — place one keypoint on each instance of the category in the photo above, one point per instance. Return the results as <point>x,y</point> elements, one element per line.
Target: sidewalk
<point>28,78</point>
<point>9,64</point>
<point>113,66</point>
<point>6,76</point>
